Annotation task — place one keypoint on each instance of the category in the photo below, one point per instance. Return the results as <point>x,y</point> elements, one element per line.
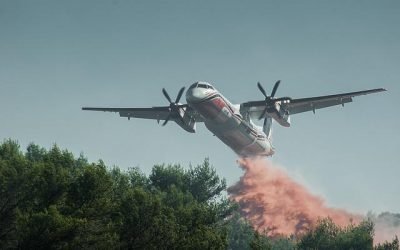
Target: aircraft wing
<point>294,106</point>
<point>312,103</point>
<point>155,113</point>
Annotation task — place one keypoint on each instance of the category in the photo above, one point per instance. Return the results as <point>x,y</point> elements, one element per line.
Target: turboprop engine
<point>275,107</point>
<point>177,112</point>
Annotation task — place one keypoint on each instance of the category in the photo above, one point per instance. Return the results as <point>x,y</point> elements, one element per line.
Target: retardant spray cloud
<point>272,201</point>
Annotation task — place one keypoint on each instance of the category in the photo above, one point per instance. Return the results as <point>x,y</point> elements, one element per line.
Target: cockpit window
<point>201,85</point>
<point>205,86</point>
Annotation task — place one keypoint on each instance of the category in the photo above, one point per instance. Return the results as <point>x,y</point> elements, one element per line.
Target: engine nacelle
<point>186,121</point>
<point>280,114</point>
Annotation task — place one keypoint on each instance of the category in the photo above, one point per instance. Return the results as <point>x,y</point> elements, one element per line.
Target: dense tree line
<point>50,199</point>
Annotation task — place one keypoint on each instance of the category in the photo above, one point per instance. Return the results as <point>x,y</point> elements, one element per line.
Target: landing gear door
<point>267,127</point>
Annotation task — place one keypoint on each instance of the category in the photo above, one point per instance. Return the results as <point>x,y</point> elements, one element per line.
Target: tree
<point>260,242</point>
<point>327,235</point>
<point>163,177</point>
<point>145,222</point>
<point>394,245</point>
<point>204,183</point>
<point>191,196</point>
<point>50,199</point>
<point>240,233</point>
<point>13,190</point>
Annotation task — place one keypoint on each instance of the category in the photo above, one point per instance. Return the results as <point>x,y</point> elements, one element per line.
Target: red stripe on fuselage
<point>211,107</point>
<point>219,103</point>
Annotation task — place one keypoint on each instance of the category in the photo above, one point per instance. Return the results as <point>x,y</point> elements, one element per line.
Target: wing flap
<point>308,106</point>
<point>155,113</point>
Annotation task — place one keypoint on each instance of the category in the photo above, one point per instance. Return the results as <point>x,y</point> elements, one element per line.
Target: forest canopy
<point>51,199</point>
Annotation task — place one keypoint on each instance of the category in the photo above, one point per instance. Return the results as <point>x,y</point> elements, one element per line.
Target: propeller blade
<point>263,113</point>
<point>180,94</point>
<point>275,88</point>
<point>166,95</point>
<point>166,121</point>
<point>182,120</point>
<point>260,87</point>
<point>174,107</point>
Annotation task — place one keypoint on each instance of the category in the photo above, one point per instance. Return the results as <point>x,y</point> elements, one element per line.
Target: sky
<point>57,56</point>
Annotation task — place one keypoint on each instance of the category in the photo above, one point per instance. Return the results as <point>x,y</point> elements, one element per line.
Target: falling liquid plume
<point>274,202</point>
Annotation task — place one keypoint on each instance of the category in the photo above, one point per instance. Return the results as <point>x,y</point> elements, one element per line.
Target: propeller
<point>269,100</point>
<point>173,106</point>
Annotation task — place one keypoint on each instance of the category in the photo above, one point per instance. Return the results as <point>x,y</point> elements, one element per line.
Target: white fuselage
<point>224,120</point>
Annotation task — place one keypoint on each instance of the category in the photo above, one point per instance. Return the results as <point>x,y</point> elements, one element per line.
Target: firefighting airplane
<point>234,124</point>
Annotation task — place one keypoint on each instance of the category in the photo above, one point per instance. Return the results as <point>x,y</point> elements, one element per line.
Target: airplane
<point>234,124</point>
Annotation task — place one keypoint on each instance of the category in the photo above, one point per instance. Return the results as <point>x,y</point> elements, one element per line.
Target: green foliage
<point>203,182</point>
<point>13,190</point>
<point>240,233</point>
<point>51,200</point>
<point>260,242</point>
<point>163,177</point>
<point>46,229</point>
<point>195,205</point>
<point>394,245</point>
<point>327,235</point>
<point>282,243</point>
<point>241,236</point>
<point>145,223</point>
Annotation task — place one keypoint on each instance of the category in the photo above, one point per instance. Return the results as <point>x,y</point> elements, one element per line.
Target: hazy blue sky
<point>57,56</point>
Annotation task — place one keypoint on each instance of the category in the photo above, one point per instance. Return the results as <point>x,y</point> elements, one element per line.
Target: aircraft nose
<point>195,95</point>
